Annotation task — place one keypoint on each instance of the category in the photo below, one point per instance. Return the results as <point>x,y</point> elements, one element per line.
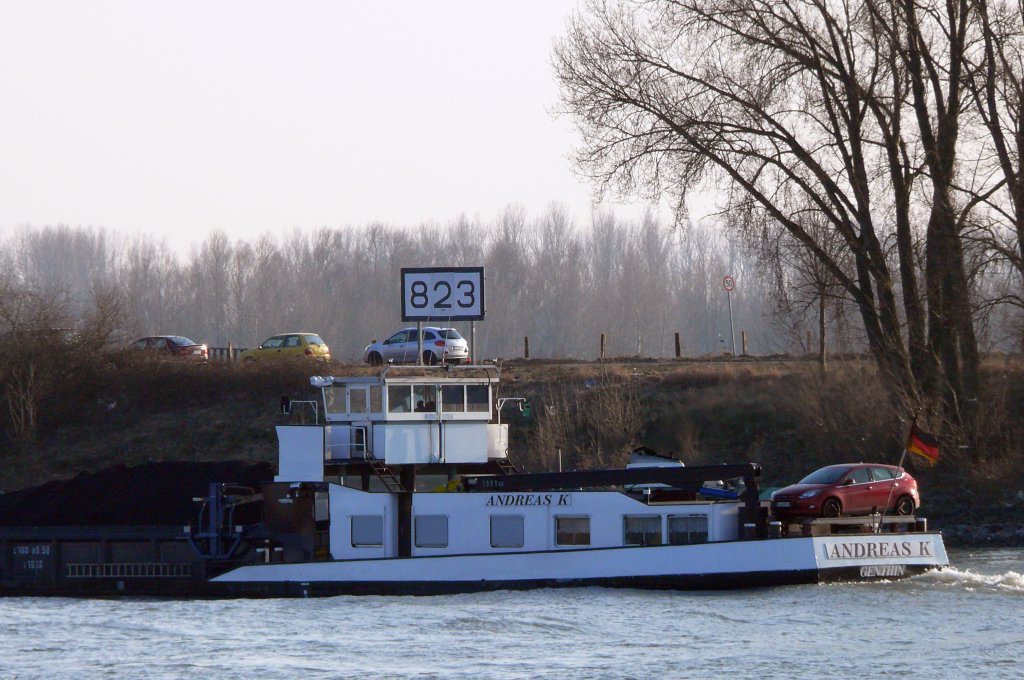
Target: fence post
<point>809,342</point>
<point>231,352</point>
<point>601,355</point>
<point>679,349</point>
<point>743,339</point>
<point>526,346</point>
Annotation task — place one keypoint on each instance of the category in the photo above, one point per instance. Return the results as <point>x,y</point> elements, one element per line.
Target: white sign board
<point>728,283</point>
<point>442,294</point>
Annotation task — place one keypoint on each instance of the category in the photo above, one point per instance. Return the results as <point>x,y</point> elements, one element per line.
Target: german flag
<point>923,444</point>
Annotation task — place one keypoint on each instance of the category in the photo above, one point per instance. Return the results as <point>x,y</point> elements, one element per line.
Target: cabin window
<point>357,400</point>
<point>376,399</point>
<point>687,529</point>
<point>477,399</point>
<point>572,531</point>
<point>507,531</point>
<point>334,398</point>
<point>642,530</point>
<point>367,531</point>
<point>453,398</point>
<point>425,398</point>
<point>431,531</point>
<point>399,399</point>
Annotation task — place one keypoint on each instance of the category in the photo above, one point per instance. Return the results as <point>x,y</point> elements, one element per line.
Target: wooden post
<point>526,346</point>
<point>743,339</point>
<point>679,349</point>
<point>808,342</point>
<point>601,354</point>
<point>231,352</point>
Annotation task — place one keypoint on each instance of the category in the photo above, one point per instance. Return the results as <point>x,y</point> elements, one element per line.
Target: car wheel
<point>376,359</point>
<point>904,506</point>
<point>831,508</point>
<point>429,358</point>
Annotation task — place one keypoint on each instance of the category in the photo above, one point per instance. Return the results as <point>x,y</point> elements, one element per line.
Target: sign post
<point>729,283</point>
<point>443,294</point>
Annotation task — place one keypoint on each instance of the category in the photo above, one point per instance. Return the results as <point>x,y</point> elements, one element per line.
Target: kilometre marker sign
<point>442,293</point>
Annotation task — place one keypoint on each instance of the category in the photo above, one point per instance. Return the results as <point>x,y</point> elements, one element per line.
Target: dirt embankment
<point>783,414</point>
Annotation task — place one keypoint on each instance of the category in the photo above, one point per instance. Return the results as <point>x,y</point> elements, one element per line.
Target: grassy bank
<point>783,414</point>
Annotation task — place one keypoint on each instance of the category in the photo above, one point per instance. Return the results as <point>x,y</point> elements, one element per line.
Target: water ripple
<point>939,625</point>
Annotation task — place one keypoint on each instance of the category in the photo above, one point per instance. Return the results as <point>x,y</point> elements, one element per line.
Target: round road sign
<point>729,283</point>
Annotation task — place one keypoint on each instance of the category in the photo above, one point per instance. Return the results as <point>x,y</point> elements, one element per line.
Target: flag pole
<point>899,471</point>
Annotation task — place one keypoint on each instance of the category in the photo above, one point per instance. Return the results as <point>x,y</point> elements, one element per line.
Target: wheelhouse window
<point>572,531</point>
<point>453,398</point>
<point>425,398</point>
<point>431,531</point>
<point>642,530</point>
<point>477,399</point>
<point>507,531</point>
<point>687,529</point>
<point>367,531</point>
<point>334,398</point>
<point>357,400</point>
<point>376,399</point>
<point>400,399</point>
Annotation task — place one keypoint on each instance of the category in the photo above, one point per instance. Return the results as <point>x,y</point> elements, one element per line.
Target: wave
<point>1010,581</point>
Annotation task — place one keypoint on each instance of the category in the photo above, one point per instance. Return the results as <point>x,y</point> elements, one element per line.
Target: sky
<point>179,118</point>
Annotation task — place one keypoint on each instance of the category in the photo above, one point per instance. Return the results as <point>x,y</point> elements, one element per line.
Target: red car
<point>173,345</point>
<point>848,489</point>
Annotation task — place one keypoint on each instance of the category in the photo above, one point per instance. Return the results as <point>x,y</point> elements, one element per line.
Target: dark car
<point>173,345</point>
<point>848,489</point>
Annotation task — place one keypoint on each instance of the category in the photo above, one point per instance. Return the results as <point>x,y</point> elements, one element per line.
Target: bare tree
<point>789,106</point>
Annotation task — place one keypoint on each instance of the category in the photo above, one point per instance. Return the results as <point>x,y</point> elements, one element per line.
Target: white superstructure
<point>406,486</point>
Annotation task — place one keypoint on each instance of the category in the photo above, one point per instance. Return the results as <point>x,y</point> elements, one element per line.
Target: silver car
<point>440,345</point>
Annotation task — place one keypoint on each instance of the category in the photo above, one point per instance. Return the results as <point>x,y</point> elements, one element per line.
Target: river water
<point>965,621</point>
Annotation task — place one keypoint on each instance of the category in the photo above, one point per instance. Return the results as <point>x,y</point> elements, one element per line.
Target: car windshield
<point>826,475</point>
<point>449,334</point>
<point>313,340</point>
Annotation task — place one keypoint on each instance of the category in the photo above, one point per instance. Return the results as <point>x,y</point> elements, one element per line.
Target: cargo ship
<point>401,484</point>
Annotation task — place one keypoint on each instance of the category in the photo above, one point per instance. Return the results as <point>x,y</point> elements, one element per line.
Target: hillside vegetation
<point>126,410</point>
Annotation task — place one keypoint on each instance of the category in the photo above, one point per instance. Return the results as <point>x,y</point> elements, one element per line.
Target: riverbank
<point>779,412</point>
